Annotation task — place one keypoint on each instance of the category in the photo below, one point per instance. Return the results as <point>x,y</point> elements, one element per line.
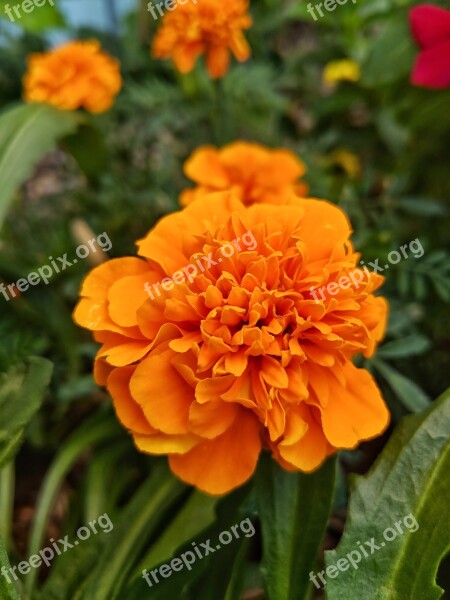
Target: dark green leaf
<point>294,510</point>
<point>412,345</point>
<point>7,590</point>
<point>137,523</point>
<point>409,484</point>
<point>196,515</point>
<point>88,147</point>
<point>410,394</point>
<point>21,395</point>
<point>391,55</point>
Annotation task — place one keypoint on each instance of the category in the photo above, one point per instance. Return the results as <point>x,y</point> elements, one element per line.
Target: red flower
<point>431,29</point>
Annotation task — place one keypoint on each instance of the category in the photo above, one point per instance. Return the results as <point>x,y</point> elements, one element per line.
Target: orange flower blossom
<point>240,357</point>
<point>76,75</point>
<point>255,173</point>
<point>210,27</point>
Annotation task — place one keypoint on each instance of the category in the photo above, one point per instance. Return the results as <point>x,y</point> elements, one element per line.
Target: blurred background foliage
<point>376,147</point>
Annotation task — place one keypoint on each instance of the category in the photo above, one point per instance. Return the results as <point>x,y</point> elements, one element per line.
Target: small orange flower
<point>210,27</point>
<point>78,74</point>
<point>256,174</point>
<point>239,356</point>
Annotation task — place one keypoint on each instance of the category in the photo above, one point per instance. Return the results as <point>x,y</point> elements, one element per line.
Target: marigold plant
<point>76,75</point>
<point>255,173</point>
<point>209,27</point>
<point>243,355</point>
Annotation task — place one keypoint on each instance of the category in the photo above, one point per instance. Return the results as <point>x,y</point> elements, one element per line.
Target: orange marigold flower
<point>253,172</point>
<point>210,27</point>
<point>239,356</point>
<point>78,74</point>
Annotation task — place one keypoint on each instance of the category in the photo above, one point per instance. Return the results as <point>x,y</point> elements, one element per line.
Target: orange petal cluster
<point>209,27</point>
<point>76,75</point>
<point>240,357</point>
<point>253,172</point>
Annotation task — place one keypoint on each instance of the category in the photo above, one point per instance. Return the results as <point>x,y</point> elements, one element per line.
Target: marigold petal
<point>217,466</point>
<point>309,451</point>
<point>161,443</point>
<point>121,351</point>
<point>211,418</point>
<point>185,57</point>
<point>205,168</point>
<point>283,168</point>
<point>240,47</point>
<point>127,295</point>
<point>356,412</point>
<point>217,61</point>
<point>102,371</point>
<point>163,394</point>
<point>128,411</point>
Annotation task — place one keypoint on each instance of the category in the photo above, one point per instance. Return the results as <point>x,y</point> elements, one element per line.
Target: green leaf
<point>40,18</point>
<point>294,510</point>
<point>138,522</point>
<point>27,133</point>
<point>422,206</point>
<point>88,147</point>
<point>412,345</point>
<point>10,448</point>
<point>21,395</point>
<point>7,590</point>
<point>73,567</point>
<point>410,483</point>
<point>408,392</point>
<point>93,432</point>
<point>196,515</point>
<point>212,576</point>
<point>395,46</point>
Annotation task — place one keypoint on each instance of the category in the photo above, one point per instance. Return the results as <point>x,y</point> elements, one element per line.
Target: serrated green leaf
<point>294,510</point>
<point>410,483</point>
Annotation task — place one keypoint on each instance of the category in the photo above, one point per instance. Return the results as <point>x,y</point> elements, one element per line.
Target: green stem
<point>7,481</point>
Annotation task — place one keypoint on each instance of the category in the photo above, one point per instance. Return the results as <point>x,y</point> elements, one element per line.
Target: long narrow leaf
<point>294,511</point>
<point>27,133</point>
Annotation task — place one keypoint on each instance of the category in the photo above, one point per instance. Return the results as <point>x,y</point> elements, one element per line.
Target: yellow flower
<point>341,70</point>
<point>78,74</point>
<point>348,161</point>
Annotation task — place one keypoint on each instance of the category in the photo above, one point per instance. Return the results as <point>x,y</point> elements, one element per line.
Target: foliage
<point>409,478</point>
<point>375,148</point>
